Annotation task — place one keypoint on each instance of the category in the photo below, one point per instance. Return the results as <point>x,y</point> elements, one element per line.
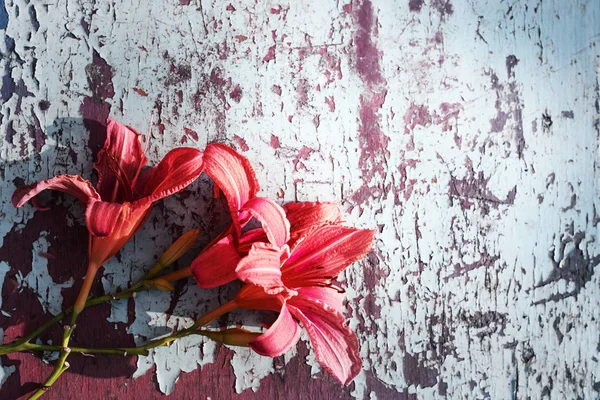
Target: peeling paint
<point>465,133</point>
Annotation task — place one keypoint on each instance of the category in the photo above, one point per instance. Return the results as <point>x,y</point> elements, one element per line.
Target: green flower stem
<point>24,343</point>
<point>62,365</point>
<point>124,351</point>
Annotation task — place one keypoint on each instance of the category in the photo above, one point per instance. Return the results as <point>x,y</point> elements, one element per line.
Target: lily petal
<point>272,217</point>
<point>262,267</point>
<point>73,184</point>
<point>215,266</point>
<point>233,175</point>
<point>250,237</point>
<point>327,295</point>
<point>119,162</point>
<point>305,216</point>
<point>178,169</point>
<point>110,219</point>
<point>279,338</point>
<point>253,297</point>
<point>111,225</point>
<point>325,252</point>
<point>302,216</point>
<point>335,344</point>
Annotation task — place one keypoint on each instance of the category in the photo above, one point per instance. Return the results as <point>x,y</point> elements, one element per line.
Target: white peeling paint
<point>40,281</point>
<point>443,265</point>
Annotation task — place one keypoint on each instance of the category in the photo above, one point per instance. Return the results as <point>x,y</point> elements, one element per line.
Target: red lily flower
<point>297,280</point>
<point>124,195</point>
<point>233,175</point>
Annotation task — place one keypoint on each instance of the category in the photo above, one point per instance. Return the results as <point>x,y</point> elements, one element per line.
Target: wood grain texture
<point>465,132</point>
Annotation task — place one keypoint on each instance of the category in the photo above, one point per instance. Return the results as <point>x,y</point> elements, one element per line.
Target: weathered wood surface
<point>466,132</point>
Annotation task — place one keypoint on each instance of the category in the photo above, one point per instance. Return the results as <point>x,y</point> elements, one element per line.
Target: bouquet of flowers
<point>288,263</point>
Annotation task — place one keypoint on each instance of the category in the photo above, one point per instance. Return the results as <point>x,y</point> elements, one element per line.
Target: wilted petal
<point>325,252</point>
<point>179,168</point>
<point>272,218</point>
<point>119,162</point>
<point>233,175</point>
<point>305,216</point>
<point>75,185</point>
<point>215,266</point>
<point>335,344</point>
<point>279,338</point>
<point>262,266</point>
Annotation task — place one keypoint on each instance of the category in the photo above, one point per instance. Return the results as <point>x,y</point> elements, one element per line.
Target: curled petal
<point>179,168</point>
<point>262,267</point>
<point>215,266</point>
<point>75,185</point>
<point>306,216</point>
<point>272,217</point>
<point>335,344</point>
<point>302,217</point>
<point>119,162</point>
<point>325,252</point>
<point>234,175</point>
<point>279,338</point>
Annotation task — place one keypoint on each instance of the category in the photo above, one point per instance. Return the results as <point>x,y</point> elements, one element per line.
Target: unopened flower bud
<point>179,248</point>
<point>161,284</point>
<point>233,336</point>
<point>174,252</point>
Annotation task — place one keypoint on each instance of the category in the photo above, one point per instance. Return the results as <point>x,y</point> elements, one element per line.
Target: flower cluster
<point>288,265</point>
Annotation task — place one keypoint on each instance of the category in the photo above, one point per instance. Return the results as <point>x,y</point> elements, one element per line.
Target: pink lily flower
<point>297,280</point>
<point>233,175</point>
<point>124,195</point>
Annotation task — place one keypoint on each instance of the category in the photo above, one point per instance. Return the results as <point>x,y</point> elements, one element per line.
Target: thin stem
<point>23,343</point>
<point>119,350</point>
<point>153,271</point>
<point>18,345</point>
<point>84,292</point>
<point>193,330</point>
<point>62,365</point>
<point>216,313</point>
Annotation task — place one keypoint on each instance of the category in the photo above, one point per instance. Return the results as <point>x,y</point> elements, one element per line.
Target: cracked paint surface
<point>466,133</point>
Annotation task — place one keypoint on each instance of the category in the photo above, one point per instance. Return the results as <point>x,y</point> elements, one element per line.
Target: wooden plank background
<point>465,132</point>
